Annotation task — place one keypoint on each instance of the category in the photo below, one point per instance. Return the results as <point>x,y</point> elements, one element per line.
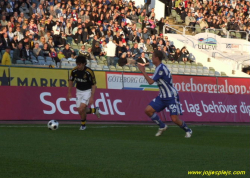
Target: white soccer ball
<point>53,125</point>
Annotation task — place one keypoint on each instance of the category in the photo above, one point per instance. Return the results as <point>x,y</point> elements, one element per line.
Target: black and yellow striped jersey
<point>84,78</point>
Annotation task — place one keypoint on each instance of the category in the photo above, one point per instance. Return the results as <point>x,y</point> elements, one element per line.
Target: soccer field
<point>121,151</point>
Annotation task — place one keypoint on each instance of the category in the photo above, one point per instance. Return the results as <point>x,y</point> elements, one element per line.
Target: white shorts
<point>82,97</point>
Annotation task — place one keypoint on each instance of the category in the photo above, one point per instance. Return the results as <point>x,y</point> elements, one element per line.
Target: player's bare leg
<point>152,114</point>
<point>176,120</point>
<point>82,113</point>
<point>182,125</point>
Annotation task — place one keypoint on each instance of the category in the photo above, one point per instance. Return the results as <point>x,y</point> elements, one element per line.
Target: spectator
<point>32,9</point>
<point>154,44</point>
<point>111,50</point>
<point>62,40</point>
<point>91,55</point>
<point>78,37</point>
<point>51,43</point>
<point>190,21</point>
<point>184,55</point>
<point>61,55</point>
<point>145,34</point>
<point>37,51</point>
<point>41,31</point>
<point>57,29</point>
<point>18,33</point>
<point>167,27</point>
<point>27,53</point>
<point>203,24</point>
<point>9,11</point>
<point>52,12</point>
<point>184,14</point>
<point>25,41</point>
<point>142,47</point>
<point>130,60</point>
<point>24,10</point>
<point>165,53</point>
<point>104,48</point>
<point>95,40</point>
<point>134,37</point>
<point>85,36</point>
<point>97,50</point>
<point>170,50</point>
<point>123,60</point>
<point>117,38</point>
<point>152,26</point>
<point>6,57</point>
<point>41,42</point>
<point>83,52</point>
<point>67,52</point>
<point>143,60</point>
<point>45,50</point>
<point>146,5</point>
<point>14,43</point>
<point>33,27</point>
<point>47,36</point>
<point>49,25</point>
<point>145,23</point>
<point>6,41</point>
<point>68,30</point>
<point>161,23</point>
<point>40,10</point>
<point>187,55</point>
<point>179,10</point>
<point>177,55</point>
<point>149,47</point>
<point>160,44</point>
<point>53,55</point>
<point>18,54</point>
<point>10,33</point>
<point>120,49</point>
<point>141,18</point>
<point>134,17</point>
<point>92,33</point>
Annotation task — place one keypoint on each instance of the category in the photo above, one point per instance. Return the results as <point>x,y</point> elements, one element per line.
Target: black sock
<point>83,122</point>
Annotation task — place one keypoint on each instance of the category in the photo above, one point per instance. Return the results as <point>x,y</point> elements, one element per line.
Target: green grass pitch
<point>121,151</point>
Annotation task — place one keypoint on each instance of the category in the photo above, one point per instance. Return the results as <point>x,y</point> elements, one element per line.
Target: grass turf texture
<point>122,151</point>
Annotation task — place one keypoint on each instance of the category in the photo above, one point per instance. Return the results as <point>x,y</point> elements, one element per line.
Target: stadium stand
<point>89,26</point>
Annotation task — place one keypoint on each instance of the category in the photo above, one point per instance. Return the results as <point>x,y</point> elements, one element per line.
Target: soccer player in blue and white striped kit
<point>168,96</point>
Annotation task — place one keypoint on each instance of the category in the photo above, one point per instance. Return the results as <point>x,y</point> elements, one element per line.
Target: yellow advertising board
<point>4,76</point>
<point>101,79</point>
<point>39,77</point>
<point>47,77</point>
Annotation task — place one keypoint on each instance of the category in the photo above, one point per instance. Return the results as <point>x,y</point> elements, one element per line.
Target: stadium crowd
<point>115,31</point>
<point>223,15</point>
<point>99,29</point>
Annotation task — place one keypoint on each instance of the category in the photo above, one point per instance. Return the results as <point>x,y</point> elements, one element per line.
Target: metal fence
<point>229,34</point>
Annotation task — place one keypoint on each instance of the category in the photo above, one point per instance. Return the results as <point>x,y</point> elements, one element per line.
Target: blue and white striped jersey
<point>163,78</point>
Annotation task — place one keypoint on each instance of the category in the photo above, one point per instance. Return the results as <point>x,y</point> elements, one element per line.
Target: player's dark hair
<point>158,54</point>
<point>81,60</point>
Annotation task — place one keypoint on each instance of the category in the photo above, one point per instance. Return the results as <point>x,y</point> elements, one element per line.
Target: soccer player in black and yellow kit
<point>85,89</point>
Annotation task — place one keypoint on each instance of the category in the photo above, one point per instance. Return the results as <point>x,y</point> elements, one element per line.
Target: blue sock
<point>157,120</point>
<point>184,127</point>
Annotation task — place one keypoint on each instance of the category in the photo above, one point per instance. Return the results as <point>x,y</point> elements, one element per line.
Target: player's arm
<point>70,89</point>
<point>93,91</point>
<point>93,88</point>
<point>71,79</point>
<point>142,69</point>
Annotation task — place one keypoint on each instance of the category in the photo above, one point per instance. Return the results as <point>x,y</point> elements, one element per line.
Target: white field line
<point>111,126</point>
